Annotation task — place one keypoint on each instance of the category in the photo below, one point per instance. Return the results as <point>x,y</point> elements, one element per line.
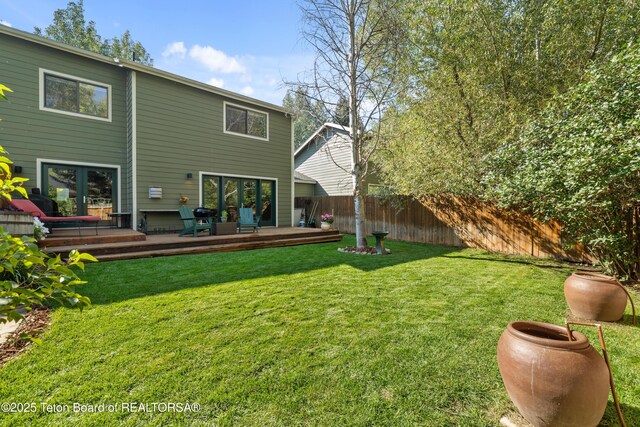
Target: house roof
<point>302,178</point>
<point>136,67</point>
<point>318,132</point>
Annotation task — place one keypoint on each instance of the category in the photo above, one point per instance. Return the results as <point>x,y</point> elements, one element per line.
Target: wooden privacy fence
<point>449,221</point>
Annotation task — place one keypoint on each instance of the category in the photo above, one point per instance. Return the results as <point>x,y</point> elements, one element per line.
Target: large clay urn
<point>595,296</point>
<point>551,380</point>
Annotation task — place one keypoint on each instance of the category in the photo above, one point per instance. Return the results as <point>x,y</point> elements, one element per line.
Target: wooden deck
<point>117,244</point>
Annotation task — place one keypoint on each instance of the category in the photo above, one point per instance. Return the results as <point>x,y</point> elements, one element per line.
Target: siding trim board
<point>293,180</point>
<point>41,94</point>
<point>134,151</point>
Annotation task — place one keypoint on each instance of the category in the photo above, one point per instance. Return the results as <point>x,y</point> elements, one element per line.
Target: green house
<point>100,135</point>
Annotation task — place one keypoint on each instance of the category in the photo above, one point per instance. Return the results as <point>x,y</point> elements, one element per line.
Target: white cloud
<point>259,77</point>
<point>216,60</point>
<point>215,82</point>
<point>247,90</point>
<point>5,23</point>
<point>175,49</point>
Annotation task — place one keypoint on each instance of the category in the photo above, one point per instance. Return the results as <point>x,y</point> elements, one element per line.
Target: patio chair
<point>191,225</point>
<point>248,221</point>
<point>28,206</point>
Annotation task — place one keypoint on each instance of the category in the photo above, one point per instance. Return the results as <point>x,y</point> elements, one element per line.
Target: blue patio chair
<point>248,221</point>
<point>191,224</point>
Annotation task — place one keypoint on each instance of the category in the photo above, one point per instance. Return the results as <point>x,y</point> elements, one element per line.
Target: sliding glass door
<point>223,193</point>
<point>230,198</point>
<point>80,190</point>
<point>267,202</point>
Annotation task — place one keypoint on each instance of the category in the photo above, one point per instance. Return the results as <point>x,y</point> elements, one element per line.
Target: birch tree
<point>352,39</point>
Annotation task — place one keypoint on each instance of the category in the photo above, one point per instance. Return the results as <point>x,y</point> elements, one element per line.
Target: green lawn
<point>300,336</point>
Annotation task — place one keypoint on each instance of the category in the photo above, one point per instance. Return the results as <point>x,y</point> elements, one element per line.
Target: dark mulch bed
<point>33,324</point>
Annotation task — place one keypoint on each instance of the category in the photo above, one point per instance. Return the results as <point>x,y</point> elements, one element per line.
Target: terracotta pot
<point>595,296</point>
<point>551,380</point>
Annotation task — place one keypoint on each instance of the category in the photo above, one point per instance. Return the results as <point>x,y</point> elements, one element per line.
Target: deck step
<point>156,243</point>
<point>223,247</point>
<point>53,242</point>
<point>174,245</point>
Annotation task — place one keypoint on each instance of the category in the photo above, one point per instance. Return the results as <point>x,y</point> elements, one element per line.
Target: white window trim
<point>78,79</point>
<point>201,175</point>
<point>242,107</point>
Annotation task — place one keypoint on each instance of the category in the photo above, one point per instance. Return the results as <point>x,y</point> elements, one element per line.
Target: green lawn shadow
<point>629,413</point>
<point>122,280</point>
<point>544,263</point>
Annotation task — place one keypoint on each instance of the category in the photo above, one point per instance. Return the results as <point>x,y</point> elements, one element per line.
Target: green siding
<point>181,130</point>
<point>29,133</point>
<point>304,190</point>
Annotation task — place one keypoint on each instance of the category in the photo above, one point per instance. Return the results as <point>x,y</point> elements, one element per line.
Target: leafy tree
<point>127,48</point>
<point>579,163</point>
<point>474,71</point>
<point>70,27</point>
<point>341,113</point>
<point>352,39</point>
<point>309,115</point>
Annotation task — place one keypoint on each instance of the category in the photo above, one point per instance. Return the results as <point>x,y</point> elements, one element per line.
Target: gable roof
<point>318,132</point>
<point>134,66</point>
<point>302,178</point>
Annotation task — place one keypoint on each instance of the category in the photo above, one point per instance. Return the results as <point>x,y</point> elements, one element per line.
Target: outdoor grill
<point>202,212</point>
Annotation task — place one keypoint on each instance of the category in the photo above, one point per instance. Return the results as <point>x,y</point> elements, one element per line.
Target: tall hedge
<point>579,162</point>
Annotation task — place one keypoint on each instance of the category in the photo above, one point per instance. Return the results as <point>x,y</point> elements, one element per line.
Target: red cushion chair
<point>29,206</point>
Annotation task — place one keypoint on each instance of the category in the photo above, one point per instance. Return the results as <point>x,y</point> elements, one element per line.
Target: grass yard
<point>299,336</point>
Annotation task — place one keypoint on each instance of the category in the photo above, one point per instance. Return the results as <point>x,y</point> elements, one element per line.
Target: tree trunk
<point>356,136</point>
<point>358,203</point>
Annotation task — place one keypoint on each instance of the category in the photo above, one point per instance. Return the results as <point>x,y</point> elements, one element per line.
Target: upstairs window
<point>246,122</point>
<point>70,95</point>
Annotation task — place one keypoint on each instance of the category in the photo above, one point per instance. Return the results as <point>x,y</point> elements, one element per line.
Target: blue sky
<point>248,47</point>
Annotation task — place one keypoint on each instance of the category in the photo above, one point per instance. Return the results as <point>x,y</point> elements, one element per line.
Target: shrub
<point>579,163</point>
<point>30,277</point>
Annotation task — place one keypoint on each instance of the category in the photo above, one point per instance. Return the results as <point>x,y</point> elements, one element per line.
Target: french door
<point>227,194</point>
<point>80,190</point>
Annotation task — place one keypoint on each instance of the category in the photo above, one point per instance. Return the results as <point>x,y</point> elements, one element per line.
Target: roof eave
<point>316,133</point>
<point>138,67</point>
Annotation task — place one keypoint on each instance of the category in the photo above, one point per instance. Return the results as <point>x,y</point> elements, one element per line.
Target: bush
<point>30,277</point>
<point>579,163</point>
